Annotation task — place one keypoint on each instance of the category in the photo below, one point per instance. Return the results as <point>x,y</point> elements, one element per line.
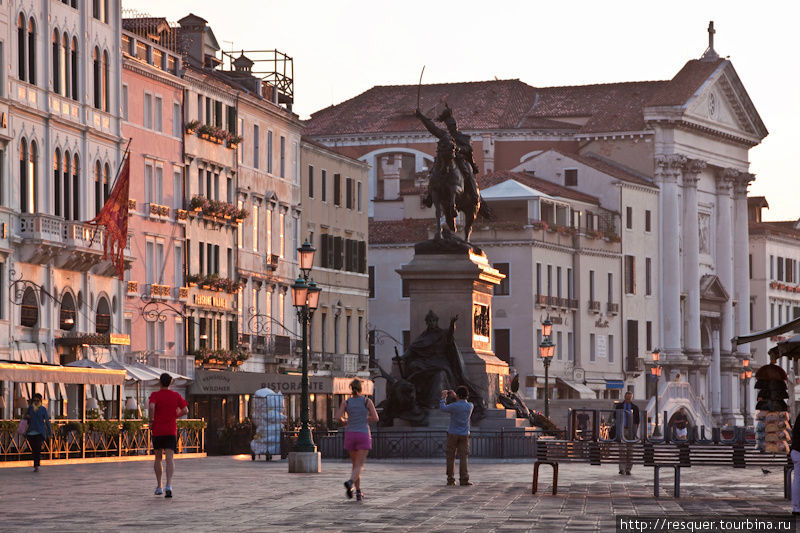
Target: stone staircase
<point>505,419</point>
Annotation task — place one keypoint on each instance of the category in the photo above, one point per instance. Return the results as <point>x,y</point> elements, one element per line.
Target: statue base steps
<point>505,419</point>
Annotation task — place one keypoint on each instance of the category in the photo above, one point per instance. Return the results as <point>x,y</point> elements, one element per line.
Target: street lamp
<point>655,372</point>
<point>546,351</point>
<point>305,298</point>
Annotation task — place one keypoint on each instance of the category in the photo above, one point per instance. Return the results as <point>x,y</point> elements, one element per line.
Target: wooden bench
<point>674,455</point>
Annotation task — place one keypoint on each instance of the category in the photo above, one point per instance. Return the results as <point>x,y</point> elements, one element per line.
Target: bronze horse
<point>451,185</point>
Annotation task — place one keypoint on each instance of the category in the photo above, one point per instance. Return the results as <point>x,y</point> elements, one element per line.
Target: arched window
<point>76,188</point>
<point>105,81</point>
<point>29,310</point>
<point>57,183</point>
<point>65,66</point>
<point>56,62</point>
<point>33,177</point>
<point>65,181</point>
<point>98,191</point>
<point>106,180</point>
<point>23,176</point>
<point>96,77</point>
<point>73,67</point>
<point>66,318</point>
<point>96,9</point>
<point>32,52</point>
<point>103,319</point>
<point>22,63</point>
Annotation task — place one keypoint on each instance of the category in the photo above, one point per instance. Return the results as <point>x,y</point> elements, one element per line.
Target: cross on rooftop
<point>710,54</point>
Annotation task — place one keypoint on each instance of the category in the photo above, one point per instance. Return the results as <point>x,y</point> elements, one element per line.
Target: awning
<point>583,391</point>
<point>33,373</point>
<point>783,328</point>
<point>28,352</point>
<point>145,374</point>
<point>615,384</point>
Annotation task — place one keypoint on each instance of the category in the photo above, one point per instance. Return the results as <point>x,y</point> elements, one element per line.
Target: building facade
<point>152,114</point>
<point>688,136</point>
<point>61,150</point>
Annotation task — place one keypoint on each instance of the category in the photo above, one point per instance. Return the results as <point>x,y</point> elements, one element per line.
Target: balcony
<point>612,308</point>
<point>159,291</point>
<point>594,306</point>
<point>42,237</point>
<point>573,303</point>
<point>133,288</point>
<point>541,300</point>
<point>552,301</point>
<point>158,212</point>
<point>183,293</point>
<point>563,303</point>
<point>271,262</point>
<point>634,364</point>
<point>181,215</point>
<point>131,206</point>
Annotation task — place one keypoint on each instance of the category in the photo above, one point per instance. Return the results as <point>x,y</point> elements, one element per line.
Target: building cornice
<point>151,72</point>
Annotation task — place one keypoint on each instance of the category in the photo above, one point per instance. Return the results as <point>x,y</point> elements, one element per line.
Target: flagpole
<point>121,162</point>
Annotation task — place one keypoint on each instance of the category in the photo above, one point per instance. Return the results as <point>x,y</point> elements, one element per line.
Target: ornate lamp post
<point>745,376</point>
<point>546,351</point>
<point>655,372</point>
<point>305,298</point>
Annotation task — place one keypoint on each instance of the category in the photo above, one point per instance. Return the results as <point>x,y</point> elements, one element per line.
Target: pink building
<point>152,109</point>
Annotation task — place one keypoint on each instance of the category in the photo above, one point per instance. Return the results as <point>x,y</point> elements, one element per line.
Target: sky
<point>341,48</point>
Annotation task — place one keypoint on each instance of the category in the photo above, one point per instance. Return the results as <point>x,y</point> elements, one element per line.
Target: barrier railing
<point>394,444</point>
<point>75,440</point>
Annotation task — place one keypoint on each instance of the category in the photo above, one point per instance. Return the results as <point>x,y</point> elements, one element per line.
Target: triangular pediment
<point>721,103</point>
<point>711,289</point>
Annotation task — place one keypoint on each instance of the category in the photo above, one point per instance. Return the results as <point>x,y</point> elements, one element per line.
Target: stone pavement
<point>235,494</point>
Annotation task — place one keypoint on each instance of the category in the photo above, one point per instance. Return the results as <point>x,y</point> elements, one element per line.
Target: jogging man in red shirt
<point>165,408</point>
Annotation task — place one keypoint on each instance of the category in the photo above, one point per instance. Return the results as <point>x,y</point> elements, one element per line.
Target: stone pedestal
<point>305,462</point>
<point>450,279</point>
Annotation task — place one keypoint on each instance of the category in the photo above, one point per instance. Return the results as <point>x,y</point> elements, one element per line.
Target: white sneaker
<point>159,492</point>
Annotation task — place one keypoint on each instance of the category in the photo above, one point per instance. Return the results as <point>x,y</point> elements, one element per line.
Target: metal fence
<point>67,443</point>
<point>394,444</point>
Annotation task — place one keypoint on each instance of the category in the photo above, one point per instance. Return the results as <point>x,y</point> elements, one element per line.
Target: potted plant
<point>191,126</point>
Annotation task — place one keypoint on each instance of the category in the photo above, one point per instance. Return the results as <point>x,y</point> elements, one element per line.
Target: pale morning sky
<point>343,47</point>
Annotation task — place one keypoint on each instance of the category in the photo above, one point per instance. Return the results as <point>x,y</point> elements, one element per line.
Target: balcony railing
<point>594,306</point>
<point>158,211</point>
<point>634,364</point>
<point>271,261</point>
<point>159,291</point>
<point>183,293</point>
<point>612,308</point>
<point>133,288</point>
<point>573,303</point>
<point>541,300</point>
<point>553,301</point>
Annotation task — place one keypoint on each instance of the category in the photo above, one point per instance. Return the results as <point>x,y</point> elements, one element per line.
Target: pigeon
<point>765,471</point>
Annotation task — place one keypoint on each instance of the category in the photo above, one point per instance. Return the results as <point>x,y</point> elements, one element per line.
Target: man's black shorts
<point>166,442</point>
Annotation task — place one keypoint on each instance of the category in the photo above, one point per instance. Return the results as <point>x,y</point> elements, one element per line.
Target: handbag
<point>22,428</point>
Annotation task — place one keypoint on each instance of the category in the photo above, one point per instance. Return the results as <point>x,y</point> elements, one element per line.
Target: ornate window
<point>57,183</point>
<point>103,318</point>
<point>29,310</point>
<point>66,319</point>
<point>22,63</point>
<point>96,78</point>
<point>76,187</point>
<point>31,52</point>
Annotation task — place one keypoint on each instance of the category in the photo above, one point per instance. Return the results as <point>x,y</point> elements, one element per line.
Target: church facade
<point>687,138</point>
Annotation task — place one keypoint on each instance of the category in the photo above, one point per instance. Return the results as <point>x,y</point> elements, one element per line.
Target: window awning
<point>33,373</point>
<point>583,391</point>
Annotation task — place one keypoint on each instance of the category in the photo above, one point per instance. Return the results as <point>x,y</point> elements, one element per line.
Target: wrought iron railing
<point>73,440</point>
<point>394,444</point>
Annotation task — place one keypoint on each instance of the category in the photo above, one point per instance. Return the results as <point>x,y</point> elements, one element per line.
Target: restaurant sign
<point>211,301</point>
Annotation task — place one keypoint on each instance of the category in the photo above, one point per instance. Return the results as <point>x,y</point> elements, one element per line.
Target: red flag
<point>114,216</point>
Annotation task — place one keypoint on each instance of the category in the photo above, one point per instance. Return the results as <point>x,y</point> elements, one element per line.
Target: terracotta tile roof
<point>685,83</point>
<point>477,105</point>
<point>608,167</point>
<point>547,187</point>
<point>407,230</point>
<point>512,104</point>
<point>782,227</point>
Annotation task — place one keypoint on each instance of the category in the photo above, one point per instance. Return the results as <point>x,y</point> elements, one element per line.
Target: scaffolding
<point>274,68</point>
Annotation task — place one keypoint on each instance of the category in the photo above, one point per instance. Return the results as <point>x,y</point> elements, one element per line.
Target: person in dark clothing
<point>38,428</point>
<point>795,454</point>
<point>629,413</point>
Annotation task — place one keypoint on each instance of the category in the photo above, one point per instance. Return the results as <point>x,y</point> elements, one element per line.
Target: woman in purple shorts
<point>360,411</point>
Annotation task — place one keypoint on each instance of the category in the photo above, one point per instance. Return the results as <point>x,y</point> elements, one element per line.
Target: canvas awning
<point>35,373</point>
<point>783,328</point>
<point>583,391</point>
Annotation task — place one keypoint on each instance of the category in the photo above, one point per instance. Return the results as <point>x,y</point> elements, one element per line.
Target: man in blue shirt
<point>629,422</point>
<point>457,434</point>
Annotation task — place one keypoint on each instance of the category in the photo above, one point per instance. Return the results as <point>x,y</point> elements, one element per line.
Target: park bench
<point>738,453</point>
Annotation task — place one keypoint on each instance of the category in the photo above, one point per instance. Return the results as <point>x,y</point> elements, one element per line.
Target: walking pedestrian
<point>360,412</point>
<point>795,455</point>
<point>457,434</point>
<point>38,428</point>
<point>629,422</point>
<point>165,407</point>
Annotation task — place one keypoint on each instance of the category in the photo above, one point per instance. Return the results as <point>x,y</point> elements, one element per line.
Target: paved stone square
<point>235,494</point>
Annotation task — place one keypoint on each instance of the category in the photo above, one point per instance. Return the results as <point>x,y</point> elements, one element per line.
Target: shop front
<point>222,398</point>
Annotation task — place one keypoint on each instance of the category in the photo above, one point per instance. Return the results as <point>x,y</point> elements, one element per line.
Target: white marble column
<point>741,274</point>
<point>714,376</point>
<point>724,266</point>
<point>668,172</point>
<point>691,256</point>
